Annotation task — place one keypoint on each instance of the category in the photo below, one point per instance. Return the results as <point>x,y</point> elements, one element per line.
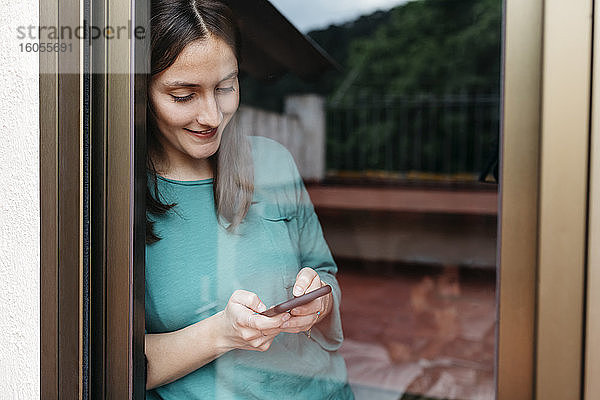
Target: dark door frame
<point>92,195</point>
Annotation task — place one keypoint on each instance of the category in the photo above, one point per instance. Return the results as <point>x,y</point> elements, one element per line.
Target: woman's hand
<point>304,317</point>
<point>243,328</point>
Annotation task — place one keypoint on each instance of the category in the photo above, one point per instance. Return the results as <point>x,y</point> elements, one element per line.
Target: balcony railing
<point>449,137</point>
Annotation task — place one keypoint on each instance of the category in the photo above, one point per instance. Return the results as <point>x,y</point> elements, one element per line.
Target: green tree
<point>423,46</point>
<point>430,46</point>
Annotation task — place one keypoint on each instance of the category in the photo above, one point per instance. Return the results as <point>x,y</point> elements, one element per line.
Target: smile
<point>202,134</point>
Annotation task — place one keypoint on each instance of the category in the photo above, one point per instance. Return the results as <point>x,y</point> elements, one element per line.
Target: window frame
<point>592,327</point>
<point>92,121</point>
<point>544,200</point>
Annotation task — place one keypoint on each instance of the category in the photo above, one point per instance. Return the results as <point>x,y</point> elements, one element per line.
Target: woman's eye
<point>179,99</point>
<point>226,90</point>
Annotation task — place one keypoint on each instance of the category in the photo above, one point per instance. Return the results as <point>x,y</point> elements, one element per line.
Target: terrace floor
<point>421,331</point>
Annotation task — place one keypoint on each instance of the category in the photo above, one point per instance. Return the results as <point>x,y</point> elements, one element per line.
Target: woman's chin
<point>204,153</point>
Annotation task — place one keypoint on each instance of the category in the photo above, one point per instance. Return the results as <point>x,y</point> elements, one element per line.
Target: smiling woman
<point>230,228</point>
<point>194,89</point>
<point>191,113</point>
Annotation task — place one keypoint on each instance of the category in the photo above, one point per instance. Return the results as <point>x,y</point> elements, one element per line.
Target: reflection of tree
<point>424,46</point>
<point>432,46</point>
<point>407,98</point>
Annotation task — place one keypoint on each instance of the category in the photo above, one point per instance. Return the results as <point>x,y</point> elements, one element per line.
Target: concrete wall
<point>411,238</point>
<point>19,208</point>
<point>301,129</point>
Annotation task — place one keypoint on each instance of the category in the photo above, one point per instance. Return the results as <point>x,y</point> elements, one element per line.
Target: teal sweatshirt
<point>194,269</point>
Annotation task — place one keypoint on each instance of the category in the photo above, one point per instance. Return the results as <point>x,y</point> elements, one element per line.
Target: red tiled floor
<point>420,332</point>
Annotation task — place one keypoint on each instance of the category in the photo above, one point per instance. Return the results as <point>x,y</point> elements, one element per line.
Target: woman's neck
<point>183,170</point>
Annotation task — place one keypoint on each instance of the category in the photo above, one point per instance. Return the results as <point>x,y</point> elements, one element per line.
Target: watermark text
<point>86,32</point>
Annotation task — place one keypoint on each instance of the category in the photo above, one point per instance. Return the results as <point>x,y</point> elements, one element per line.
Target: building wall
<point>19,207</point>
<point>301,129</point>
<point>411,238</point>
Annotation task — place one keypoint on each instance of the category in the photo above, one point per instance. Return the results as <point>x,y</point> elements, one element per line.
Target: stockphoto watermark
<point>37,39</point>
<point>85,31</point>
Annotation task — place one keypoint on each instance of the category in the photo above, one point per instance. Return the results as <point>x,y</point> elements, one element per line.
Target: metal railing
<point>443,137</point>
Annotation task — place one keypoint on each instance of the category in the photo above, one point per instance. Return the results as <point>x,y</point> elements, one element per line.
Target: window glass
<point>374,173</point>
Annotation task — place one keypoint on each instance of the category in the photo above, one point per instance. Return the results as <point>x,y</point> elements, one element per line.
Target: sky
<point>312,14</point>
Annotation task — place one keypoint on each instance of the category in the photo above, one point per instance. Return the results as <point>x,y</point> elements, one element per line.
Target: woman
<point>230,230</point>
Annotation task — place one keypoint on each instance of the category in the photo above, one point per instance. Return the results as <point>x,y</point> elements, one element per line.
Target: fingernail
<point>285,325</point>
<point>262,307</point>
<point>286,316</point>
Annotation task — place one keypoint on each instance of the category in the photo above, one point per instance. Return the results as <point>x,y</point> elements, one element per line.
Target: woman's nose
<point>209,114</point>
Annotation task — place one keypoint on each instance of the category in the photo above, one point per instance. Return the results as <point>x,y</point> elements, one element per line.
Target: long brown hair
<point>174,25</point>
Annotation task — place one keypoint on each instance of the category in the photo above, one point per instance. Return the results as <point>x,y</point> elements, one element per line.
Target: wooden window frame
<point>543,199</point>
<point>592,333</point>
<point>92,195</point>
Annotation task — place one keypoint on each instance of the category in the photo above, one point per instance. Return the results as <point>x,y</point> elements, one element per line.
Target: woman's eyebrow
<point>229,76</point>
<point>195,85</point>
<point>180,84</point>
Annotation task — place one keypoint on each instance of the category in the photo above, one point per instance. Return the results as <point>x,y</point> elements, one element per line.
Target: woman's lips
<point>202,134</point>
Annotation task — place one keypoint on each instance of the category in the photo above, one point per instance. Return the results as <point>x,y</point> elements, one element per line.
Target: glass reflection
<point>407,198</point>
<point>397,154</point>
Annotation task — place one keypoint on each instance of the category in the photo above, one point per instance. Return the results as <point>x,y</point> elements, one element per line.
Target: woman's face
<point>194,100</point>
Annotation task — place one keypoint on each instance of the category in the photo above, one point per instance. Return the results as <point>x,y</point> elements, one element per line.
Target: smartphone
<point>297,301</point>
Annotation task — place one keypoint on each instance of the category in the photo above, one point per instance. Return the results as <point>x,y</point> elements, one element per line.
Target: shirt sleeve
<point>315,253</point>
<point>281,184</point>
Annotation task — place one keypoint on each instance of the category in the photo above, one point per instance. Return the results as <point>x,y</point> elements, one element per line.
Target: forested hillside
<point>424,46</point>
